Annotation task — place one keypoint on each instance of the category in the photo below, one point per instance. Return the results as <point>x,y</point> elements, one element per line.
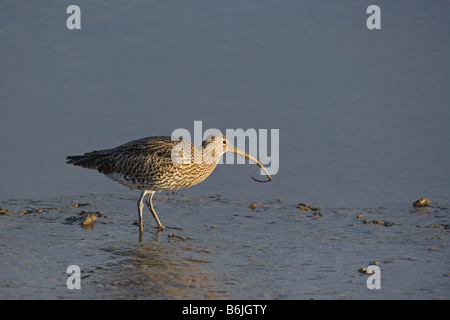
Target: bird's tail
<point>74,159</point>
<point>97,160</point>
<point>85,161</point>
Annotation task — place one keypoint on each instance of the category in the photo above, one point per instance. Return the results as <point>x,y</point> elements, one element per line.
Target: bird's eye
<point>224,142</point>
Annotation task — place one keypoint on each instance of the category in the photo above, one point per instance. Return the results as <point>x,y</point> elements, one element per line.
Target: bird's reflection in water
<point>160,269</point>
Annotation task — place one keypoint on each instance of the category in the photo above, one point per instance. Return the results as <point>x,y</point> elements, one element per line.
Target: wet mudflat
<point>220,248</point>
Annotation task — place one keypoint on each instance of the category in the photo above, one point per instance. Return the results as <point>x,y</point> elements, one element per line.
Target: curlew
<point>160,163</point>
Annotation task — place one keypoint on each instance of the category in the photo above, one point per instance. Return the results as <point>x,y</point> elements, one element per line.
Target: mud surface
<point>219,248</point>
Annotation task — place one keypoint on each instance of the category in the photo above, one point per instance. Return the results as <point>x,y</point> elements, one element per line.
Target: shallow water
<point>219,248</point>
<point>363,118</point>
<point>362,114</point>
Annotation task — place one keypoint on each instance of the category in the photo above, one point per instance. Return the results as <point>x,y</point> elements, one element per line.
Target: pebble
<point>363,270</point>
<point>305,207</point>
<point>77,205</point>
<point>88,222</point>
<point>378,222</point>
<point>438,226</point>
<point>176,237</point>
<point>422,202</point>
<point>317,215</point>
<point>5,212</point>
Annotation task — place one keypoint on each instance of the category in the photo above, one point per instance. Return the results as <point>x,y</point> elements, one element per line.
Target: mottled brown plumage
<point>158,164</point>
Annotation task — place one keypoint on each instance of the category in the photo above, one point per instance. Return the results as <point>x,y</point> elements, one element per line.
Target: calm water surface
<point>363,117</point>
<point>218,248</point>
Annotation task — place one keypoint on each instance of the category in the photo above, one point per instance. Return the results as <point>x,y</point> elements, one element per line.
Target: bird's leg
<point>150,207</point>
<point>140,207</point>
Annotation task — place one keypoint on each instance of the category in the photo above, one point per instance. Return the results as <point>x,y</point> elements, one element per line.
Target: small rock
<point>378,222</point>
<point>363,271</point>
<point>5,212</point>
<point>438,226</point>
<point>88,222</point>
<point>253,206</point>
<point>305,207</point>
<point>77,205</point>
<point>317,215</point>
<point>422,202</point>
<point>176,237</point>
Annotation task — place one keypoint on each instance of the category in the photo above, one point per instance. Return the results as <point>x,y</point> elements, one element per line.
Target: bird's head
<point>216,145</point>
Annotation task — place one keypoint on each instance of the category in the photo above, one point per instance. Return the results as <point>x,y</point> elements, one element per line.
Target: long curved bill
<point>249,157</point>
